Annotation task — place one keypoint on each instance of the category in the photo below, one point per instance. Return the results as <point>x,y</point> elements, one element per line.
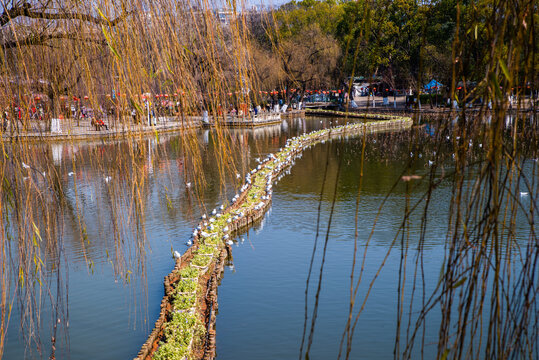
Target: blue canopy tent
<point>433,86</point>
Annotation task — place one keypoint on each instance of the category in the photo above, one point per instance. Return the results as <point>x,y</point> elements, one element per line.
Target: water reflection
<point>262,302</point>
<point>129,203</point>
<point>126,204</point>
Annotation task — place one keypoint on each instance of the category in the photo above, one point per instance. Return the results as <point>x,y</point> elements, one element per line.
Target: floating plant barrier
<point>179,332</point>
<point>349,114</point>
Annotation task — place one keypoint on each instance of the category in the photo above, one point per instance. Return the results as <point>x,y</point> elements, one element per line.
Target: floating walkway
<point>185,328</point>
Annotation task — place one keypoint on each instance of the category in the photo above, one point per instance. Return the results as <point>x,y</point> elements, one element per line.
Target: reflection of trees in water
<point>90,203</point>
<point>484,303</point>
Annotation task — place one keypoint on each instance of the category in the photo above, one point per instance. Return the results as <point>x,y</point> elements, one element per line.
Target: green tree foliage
<point>294,17</point>
<point>405,42</point>
<point>303,38</point>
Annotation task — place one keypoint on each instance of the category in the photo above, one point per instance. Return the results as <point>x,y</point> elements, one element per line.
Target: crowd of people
<point>82,112</point>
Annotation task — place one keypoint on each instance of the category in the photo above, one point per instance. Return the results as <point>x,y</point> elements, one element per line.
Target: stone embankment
<point>185,327</point>
<point>70,131</point>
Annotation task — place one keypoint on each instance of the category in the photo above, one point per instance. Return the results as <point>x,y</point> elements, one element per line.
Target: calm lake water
<point>262,295</point>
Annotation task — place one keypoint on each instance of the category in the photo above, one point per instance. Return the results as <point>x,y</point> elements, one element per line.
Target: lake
<point>111,283</point>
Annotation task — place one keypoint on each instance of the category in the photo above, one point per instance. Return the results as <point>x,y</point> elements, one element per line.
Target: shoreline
<point>85,132</point>
<point>88,134</point>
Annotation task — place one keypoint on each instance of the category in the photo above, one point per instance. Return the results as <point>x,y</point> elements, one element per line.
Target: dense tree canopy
<point>404,42</point>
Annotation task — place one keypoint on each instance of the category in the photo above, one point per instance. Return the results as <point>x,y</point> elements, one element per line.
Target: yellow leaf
<point>505,70</point>
<point>101,14</point>
<point>459,283</point>
<point>36,230</point>
<point>21,277</point>
<point>445,354</point>
<point>109,42</point>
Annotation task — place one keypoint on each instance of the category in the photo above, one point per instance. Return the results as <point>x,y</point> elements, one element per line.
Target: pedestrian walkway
<point>71,129</point>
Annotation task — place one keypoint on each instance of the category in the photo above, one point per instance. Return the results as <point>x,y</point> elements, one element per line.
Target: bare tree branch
<point>42,39</point>
<point>25,10</point>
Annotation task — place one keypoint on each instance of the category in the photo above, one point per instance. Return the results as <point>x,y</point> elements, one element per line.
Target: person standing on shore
<point>134,115</point>
<point>5,119</point>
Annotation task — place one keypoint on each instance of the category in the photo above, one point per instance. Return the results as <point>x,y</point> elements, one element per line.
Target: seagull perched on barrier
<point>177,254</point>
